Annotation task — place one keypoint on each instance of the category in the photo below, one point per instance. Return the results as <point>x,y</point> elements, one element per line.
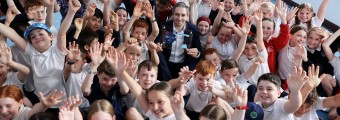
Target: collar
<point>45,54</point>
<point>206,4</point>
<point>181,31</point>
<point>313,50</point>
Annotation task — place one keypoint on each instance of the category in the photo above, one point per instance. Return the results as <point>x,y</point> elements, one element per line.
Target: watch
<point>90,71</point>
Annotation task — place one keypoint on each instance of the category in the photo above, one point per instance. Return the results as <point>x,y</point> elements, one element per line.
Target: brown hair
<point>31,3</point>
<point>147,64</point>
<point>11,91</point>
<point>100,105</point>
<point>205,67</point>
<point>229,64</point>
<point>311,98</point>
<point>161,86</point>
<point>309,7</point>
<point>106,68</point>
<point>213,112</point>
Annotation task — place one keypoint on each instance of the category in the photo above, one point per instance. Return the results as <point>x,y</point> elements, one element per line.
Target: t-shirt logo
<point>253,114</point>
<point>270,49</point>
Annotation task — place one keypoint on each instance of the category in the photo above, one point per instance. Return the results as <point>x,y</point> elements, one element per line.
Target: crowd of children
<point>172,59</point>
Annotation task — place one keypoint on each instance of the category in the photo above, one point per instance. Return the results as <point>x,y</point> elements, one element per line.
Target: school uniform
<point>276,111</point>
<point>225,50</point>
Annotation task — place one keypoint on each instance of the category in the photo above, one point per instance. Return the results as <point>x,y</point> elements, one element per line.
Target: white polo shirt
<point>245,64</point>
<point>73,85</point>
<point>152,116</point>
<point>276,111</point>
<point>315,22</point>
<point>286,61</point>
<point>23,113</point>
<point>47,68</point>
<point>336,65</point>
<point>12,79</point>
<point>225,50</point>
<point>198,99</point>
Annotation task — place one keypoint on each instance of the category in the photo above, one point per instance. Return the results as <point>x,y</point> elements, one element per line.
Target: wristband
<point>244,107</point>
<point>153,20</point>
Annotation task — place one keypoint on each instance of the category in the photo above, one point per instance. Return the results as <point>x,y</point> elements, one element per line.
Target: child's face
<point>40,39</point>
<point>106,82</point>
<point>203,81</point>
<point>140,34</point>
<point>133,52</point>
<point>9,108</point>
<point>159,103</point>
<point>250,50</point>
<point>87,47</point>
<point>203,27</point>
<point>314,40</point>
<point>298,37</point>
<point>304,108</point>
<point>268,29</point>
<point>267,92</point>
<point>41,16</point>
<point>100,115</point>
<point>229,75</point>
<point>229,5</point>
<point>122,17</point>
<point>305,15</point>
<point>267,13</point>
<point>224,35</point>
<point>147,77</point>
<point>214,59</point>
<point>94,23</point>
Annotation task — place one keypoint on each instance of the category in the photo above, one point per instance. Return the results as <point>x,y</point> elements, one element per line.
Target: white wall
<point>333,9</point>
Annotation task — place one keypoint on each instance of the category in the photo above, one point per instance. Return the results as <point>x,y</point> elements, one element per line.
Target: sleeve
<point>264,54</point>
<point>279,105</point>
<point>282,40</point>
<point>189,85</point>
<point>29,49</point>
<point>319,104</point>
<point>317,22</point>
<point>13,79</point>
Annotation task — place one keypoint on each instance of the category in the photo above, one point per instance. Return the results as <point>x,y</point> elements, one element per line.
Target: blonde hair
<point>101,105</point>
<point>268,5</point>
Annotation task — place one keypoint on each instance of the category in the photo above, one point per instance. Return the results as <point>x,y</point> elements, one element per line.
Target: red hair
<point>210,51</point>
<point>205,67</point>
<point>11,91</point>
<point>140,23</point>
<point>203,18</point>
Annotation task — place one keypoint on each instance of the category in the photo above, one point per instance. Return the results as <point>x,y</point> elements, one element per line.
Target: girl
<point>316,56</point>
<point>306,17</point>
<point>11,103</point>
<point>293,53</point>
<point>101,109</point>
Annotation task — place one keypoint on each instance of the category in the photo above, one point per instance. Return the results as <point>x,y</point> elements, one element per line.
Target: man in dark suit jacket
<point>180,39</point>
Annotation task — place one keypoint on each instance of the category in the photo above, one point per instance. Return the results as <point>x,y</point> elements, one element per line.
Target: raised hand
<point>32,12</point>
<point>149,12</point>
<point>313,74</point>
<point>229,25</point>
<point>74,5</point>
<point>5,54</point>
<point>240,96</point>
<point>282,10</point>
<point>237,10</point>
<point>245,25</point>
<point>291,13</point>
<point>90,11</point>
<point>177,101</point>
<point>73,52</point>
<point>114,58</point>
<point>185,74</point>
<point>259,60</point>
<point>97,56</point>
<point>78,23</point>
<point>159,47</point>
<point>220,6</point>
<point>297,79</point>
<point>131,68</point>
<point>151,45</point>
<point>11,13</point>
<point>67,110</point>
<point>258,15</point>
<point>137,11</point>
<point>229,92</point>
<point>108,42</point>
<point>53,99</point>
<point>227,17</point>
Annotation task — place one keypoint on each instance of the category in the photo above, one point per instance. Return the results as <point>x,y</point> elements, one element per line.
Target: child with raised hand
<point>275,44</point>
<point>334,61</point>
<point>306,17</point>
<point>293,53</point>
<point>11,103</point>
<point>101,80</point>
<point>47,60</point>
<point>268,91</point>
<point>140,30</point>
<point>6,62</point>
<point>253,50</point>
<point>158,94</point>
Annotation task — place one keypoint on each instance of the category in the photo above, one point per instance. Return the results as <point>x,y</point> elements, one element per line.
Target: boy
<point>103,84</point>
<point>268,91</point>
<point>47,60</point>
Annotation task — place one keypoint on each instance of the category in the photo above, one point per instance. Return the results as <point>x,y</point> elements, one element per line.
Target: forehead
<point>180,10</point>
<point>266,83</point>
<point>225,30</point>
<point>154,95</point>
<point>267,23</point>
<point>206,76</point>
<point>37,30</point>
<point>121,11</point>
<point>230,71</point>
<point>203,23</point>
<point>40,8</point>
<point>211,56</point>
<point>145,69</point>
<point>103,75</point>
<point>305,10</point>
<point>134,49</point>
<point>251,45</point>
<point>300,32</point>
<point>139,29</point>
<point>229,1</point>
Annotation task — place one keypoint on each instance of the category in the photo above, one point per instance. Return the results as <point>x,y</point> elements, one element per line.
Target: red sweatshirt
<point>275,44</point>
